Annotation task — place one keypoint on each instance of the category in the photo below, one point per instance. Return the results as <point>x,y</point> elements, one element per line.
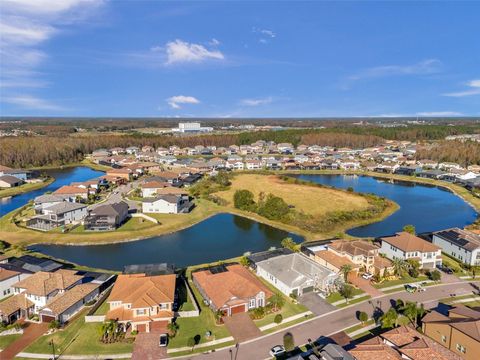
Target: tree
<point>389,319</point>
<point>363,317</point>
<point>273,208</point>
<point>288,243</point>
<point>346,291</point>
<point>409,229</point>
<point>413,268</point>
<point>55,324</point>
<point>218,316</point>
<point>277,301</point>
<point>345,270</point>
<point>243,200</point>
<point>288,342</point>
<point>399,267</point>
<point>278,319</point>
<point>434,275</point>
<point>244,261</point>
<point>172,329</point>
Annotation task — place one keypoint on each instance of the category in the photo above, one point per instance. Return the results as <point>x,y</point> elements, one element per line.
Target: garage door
<point>237,309</point>
<point>158,326</point>
<point>141,328</point>
<point>46,318</point>
<point>307,289</point>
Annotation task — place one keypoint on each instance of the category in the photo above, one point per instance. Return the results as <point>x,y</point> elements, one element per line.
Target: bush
<point>434,275</point>
<point>134,332</point>
<point>55,324</point>
<point>288,342</point>
<point>243,200</point>
<point>258,313</point>
<point>273,208</point>
<point>363,317</point>
<point>278,319</point>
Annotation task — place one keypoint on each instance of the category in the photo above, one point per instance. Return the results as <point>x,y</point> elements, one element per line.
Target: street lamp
<point>52,344</point>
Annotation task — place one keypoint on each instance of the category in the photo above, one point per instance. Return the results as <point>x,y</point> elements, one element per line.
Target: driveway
<point>146,347</point>
<point>316,304</point>
<point>242,327</point>
<point>31,332</point>
<point>365,285</point>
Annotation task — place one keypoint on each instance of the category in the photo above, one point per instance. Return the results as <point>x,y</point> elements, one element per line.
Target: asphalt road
<point>337,320</point>
<point>116,195</point>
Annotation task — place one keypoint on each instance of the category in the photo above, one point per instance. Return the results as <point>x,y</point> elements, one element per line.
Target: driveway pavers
<point>31,332</point>
<point>241,327</point>
<point>146,347</point>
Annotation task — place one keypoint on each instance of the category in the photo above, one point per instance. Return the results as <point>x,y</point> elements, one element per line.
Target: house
<point>63,307</point>
<point>458,331</point>
<point>143,302</point>
<point>14,308</point>
<point>432,174</point>
<point>126,174</point>
<point>31,264</point>
<point>72,192</point>
<point>9,181</point>
<point>359,254</point>
<point>167,176</point>
<point>21,174</point>
<point>253,164</point>
<point>8,278</point>
<point>407,246</point>
<point>132,150</point>
<point>296,274</point>
<point>107,217</point>
<point>231,288</point>
<point>42,287</point>
<point>400,343</point>
<point>60,214</point>
<point>408,170</point>
<point>167,204</point>
<point>463,245</point>
<point>150,188</point>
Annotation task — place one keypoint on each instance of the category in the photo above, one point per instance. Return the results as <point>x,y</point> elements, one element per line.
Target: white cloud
<point>429,66</point>
<point>179,51</point>
<point>265,34</point>
<point>31,102</point>
<point>473,89</point>
<point>256,102</point>
<point>438,113</point>
<point>176,101</point>
<point>24,26</point>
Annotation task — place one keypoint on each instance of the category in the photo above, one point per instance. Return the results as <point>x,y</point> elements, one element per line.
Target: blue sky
<point>239,59</point>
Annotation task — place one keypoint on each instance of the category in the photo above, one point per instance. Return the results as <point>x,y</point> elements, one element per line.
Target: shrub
<point>288,243</point>
<point>288,342</point>
<point>434,275</point>
<point>134,332</point>
<point>278,319</point>
<point>55,324</point>
<point>363,317</point>
<point>243,200</point>
<point>273,208</point>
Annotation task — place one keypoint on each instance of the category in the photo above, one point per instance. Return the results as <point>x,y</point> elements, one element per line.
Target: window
<point>461,348</point>
<point>141,312</point>
<point>251,304</point>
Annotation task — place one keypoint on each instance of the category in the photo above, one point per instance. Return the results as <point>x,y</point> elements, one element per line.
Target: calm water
<point>428,208</point>
<point>62,177</point>
<point>220,237</point>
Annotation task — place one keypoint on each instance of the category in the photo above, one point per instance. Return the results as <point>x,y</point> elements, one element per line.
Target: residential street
<point>338,320</point>
<point>116,196</point>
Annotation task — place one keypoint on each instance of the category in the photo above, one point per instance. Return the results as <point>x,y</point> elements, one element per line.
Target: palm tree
<point>277,301</point>
<point>172,329</point>
<point>389,319</point>
<point>345,270</point>
<point>399,267</point>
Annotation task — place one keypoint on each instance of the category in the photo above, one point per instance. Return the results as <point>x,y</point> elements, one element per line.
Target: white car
<point>367,276</point>
<point>277,350</point>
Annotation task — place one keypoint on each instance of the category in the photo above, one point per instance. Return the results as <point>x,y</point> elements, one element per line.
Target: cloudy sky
<point>234,59</point>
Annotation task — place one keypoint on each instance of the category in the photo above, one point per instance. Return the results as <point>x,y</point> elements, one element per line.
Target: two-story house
<point>406,246</point>
<point>41,287</point>
<point>461,244</point>
<point>167,204</point>
<point>57,215</point>
<point>142,302</point>
<point>231,289</point>
<point>107,217</point>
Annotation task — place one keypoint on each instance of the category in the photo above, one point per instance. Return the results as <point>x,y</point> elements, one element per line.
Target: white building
<point>407,246</point>
<point>7,279</point>
<point>461,244</point>
<point>190,127</point>
<point>167,204</point>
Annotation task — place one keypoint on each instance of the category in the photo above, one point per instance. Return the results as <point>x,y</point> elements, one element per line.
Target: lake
<point>428,208</point>
<point>219,237</point>
<point>62,177</point>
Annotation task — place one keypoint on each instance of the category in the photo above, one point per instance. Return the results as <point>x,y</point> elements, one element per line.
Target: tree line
<point>464,153</point>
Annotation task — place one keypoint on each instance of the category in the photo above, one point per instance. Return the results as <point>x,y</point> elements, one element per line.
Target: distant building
<point>191,127</point>
<point>461,244</point>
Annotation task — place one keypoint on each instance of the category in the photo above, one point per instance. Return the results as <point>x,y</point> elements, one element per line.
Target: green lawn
<point>334,297</point>
<point>354,301</point>
<point>190,327</point>
<point>453,264</point>
<point>186,303</point>
<point>359,326</point>
<point>284,325</point>
<point>8,339</point>
<point>403,280</point>
<point>102,309</point>
<point>78,338</point>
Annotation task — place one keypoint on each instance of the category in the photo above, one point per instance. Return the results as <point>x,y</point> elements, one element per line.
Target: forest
<point>464,153</point>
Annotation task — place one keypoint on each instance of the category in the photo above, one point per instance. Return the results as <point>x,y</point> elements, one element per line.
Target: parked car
<point>411,288</point>
<point>277,350</point>
<point>367,276</point>
<point>163,340</point>
<point>445,269</point>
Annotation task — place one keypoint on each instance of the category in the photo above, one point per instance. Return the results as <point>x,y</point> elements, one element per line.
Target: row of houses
<point>15,177</point>
<point>43,288</point>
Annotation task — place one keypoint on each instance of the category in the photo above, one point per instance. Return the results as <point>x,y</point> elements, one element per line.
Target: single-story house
<point>9,181</point>
<point>231,288</point>
<point>406,246</point>
<point>167,204</point>
<point>296,274</point>
<point>72,192</point>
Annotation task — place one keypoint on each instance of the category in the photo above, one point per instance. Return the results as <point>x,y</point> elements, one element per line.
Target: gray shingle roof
<point>64,207</point>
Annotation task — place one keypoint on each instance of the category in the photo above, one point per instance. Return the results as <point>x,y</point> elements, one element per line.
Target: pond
<point>220,237</point>
<point>427,207</point>
<point>62,177</point>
